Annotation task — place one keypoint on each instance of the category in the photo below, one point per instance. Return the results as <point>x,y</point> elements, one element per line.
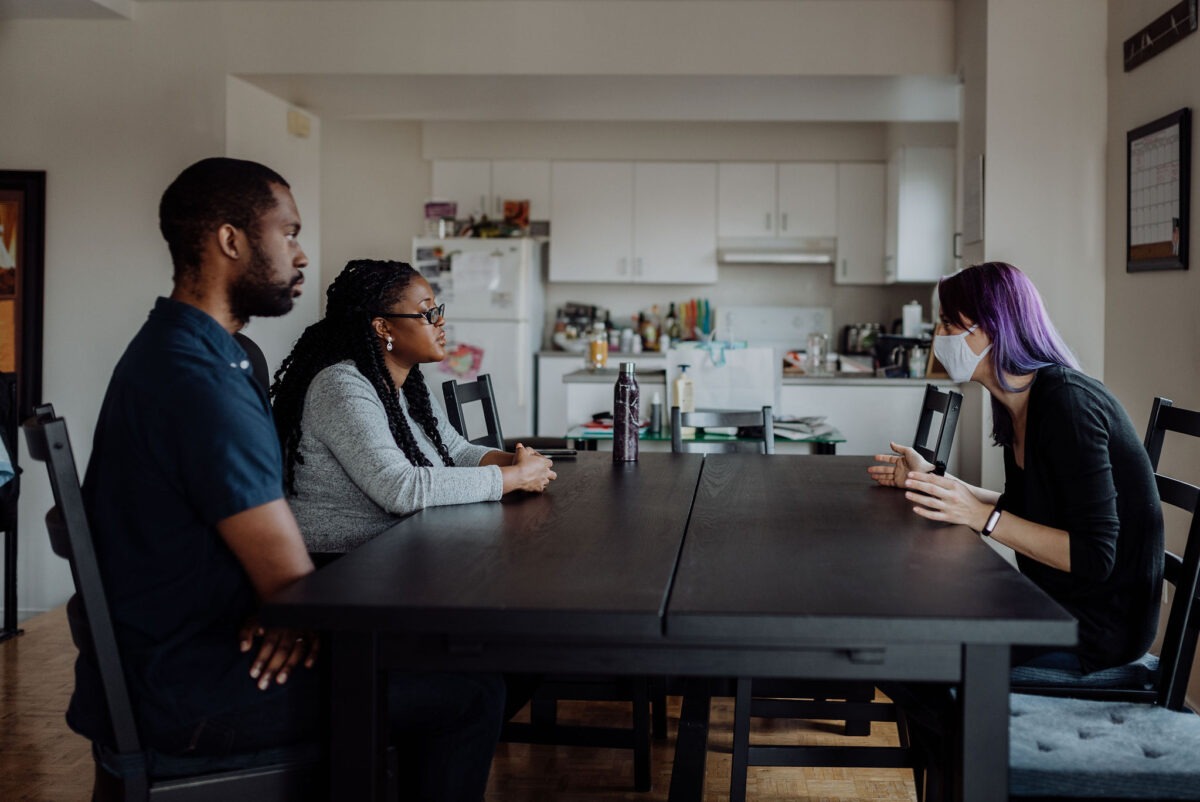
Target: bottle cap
<point>628,367</point>
<point>657,399</point>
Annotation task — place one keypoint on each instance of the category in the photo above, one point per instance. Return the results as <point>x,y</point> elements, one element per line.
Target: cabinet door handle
<point>637,266</point>
<point>622,266</point>
<point>783,221</point>
<point>767,226</point>
<point>843,268</point>
<point>483,201</point>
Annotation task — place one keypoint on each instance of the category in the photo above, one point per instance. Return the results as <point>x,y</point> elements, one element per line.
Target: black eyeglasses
<point>432,315</point>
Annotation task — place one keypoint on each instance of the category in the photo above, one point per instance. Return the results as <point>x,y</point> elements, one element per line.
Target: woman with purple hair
<point>1080,506</point>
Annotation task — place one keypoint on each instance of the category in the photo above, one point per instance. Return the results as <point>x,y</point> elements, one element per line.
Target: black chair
<point>258,362</point>
<point>946,405</point>
<point>851,702</point>
<point>294,773</point>
<point>757,427</point>
<point>457,395</point>
<point>1150,677</point>
<point>543,726</point>
<point>1111,744</point>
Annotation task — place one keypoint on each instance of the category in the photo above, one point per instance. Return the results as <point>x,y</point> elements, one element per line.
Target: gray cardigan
<point>354,479</point>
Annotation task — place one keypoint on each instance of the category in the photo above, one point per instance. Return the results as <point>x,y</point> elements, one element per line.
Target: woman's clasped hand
<point>534,471</point>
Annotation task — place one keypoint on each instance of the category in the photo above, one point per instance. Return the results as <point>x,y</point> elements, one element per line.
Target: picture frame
<point>22,245</point>
<point>22,250</point>
<point>1158,192</point>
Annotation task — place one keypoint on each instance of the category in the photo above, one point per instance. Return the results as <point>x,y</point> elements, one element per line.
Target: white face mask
<point>956,356</point>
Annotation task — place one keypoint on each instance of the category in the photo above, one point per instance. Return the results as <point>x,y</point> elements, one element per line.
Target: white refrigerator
<point>492,289</point>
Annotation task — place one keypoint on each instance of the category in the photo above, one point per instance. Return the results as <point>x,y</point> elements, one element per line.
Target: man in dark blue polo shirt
<point>185,495</point>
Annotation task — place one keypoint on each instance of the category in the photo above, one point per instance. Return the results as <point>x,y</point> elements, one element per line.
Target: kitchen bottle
<point>626,415</point>
<point>911,319</point>
<point>598,348</point>
<point>656,414</point>
<point>683,395</point>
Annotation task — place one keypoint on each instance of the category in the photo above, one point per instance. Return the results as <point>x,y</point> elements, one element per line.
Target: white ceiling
<point>588,98</point>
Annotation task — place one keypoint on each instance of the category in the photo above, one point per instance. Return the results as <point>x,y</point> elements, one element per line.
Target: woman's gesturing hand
<point>533,471</point>
<point>896,467</point>
<point>943,498</point>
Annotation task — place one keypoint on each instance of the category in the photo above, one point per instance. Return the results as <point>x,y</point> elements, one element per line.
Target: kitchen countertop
<point>612,355</point>
<point>658,376</point>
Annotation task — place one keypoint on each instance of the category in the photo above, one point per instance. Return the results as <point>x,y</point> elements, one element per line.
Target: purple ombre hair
<point>1006,305</point>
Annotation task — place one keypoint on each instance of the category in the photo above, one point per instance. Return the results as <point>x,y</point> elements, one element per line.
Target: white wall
<point>1152,333</point>
<point>112,111</point>
<point>256,128</point>
<point>1034,104</point>
<point>374,187</point>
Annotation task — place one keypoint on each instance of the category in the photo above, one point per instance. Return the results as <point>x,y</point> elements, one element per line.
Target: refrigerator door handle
<point>522,364</point>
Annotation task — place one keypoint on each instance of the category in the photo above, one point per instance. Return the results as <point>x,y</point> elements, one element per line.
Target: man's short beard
<point>254,294</point>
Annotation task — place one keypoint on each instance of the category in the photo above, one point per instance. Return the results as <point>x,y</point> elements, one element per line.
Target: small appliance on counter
<point>901,357</point>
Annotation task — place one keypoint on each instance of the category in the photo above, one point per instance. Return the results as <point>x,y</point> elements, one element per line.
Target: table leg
<point>691,745</point>
<point>983,742</point>
<point>358,724</point>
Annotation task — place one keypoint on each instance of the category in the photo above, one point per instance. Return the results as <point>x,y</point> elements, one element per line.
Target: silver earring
<point>389,343</point>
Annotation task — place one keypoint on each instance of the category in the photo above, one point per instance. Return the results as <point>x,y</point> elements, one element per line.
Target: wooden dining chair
<point>288,773</point>
<point>758,424</point>
<point>479,391</point>
<point>935,435</point>
<point>1064,747</point>
<point>1150,676</point>
<point>544,726</point>
<point>258,361</point>
<point>853,703</point>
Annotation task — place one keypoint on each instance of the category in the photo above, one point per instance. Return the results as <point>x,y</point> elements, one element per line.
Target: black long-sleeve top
<point>1087,472</point>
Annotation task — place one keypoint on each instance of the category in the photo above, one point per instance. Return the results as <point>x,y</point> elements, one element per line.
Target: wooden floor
<point>41,760</point>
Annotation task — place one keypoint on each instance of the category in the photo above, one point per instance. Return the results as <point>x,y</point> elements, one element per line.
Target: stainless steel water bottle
<point>626,415</point>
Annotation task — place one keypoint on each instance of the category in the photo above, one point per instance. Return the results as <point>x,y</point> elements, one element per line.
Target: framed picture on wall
<point>1159,166</point>
<point>22,236</point>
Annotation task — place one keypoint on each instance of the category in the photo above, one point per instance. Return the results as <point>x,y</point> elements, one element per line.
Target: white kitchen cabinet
<point>480,187</point>
<point>860,223</point>
<point>920,214</point>
<point>644,222</point>
<point>674,224</point>
<point>591,219</point>
<point>762,199</point>
<point>808,199</point>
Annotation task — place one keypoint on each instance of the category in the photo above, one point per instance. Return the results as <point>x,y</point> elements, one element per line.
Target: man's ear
<point>231,241</point>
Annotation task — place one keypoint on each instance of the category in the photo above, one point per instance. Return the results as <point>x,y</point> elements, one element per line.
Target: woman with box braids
<point>357,451</point>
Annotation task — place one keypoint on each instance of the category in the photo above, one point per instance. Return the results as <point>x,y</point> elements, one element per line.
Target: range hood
<point>777,251</point>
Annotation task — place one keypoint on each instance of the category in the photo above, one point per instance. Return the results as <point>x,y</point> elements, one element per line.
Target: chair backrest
<point>759,421</point>
<point>258,362</point>
<point>71,538</point>
<point>469,392</point>
<point>1183,623</point>
<point>936,449</point>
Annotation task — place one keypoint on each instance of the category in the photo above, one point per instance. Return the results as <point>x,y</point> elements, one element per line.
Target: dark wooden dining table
<point>725,566</point>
